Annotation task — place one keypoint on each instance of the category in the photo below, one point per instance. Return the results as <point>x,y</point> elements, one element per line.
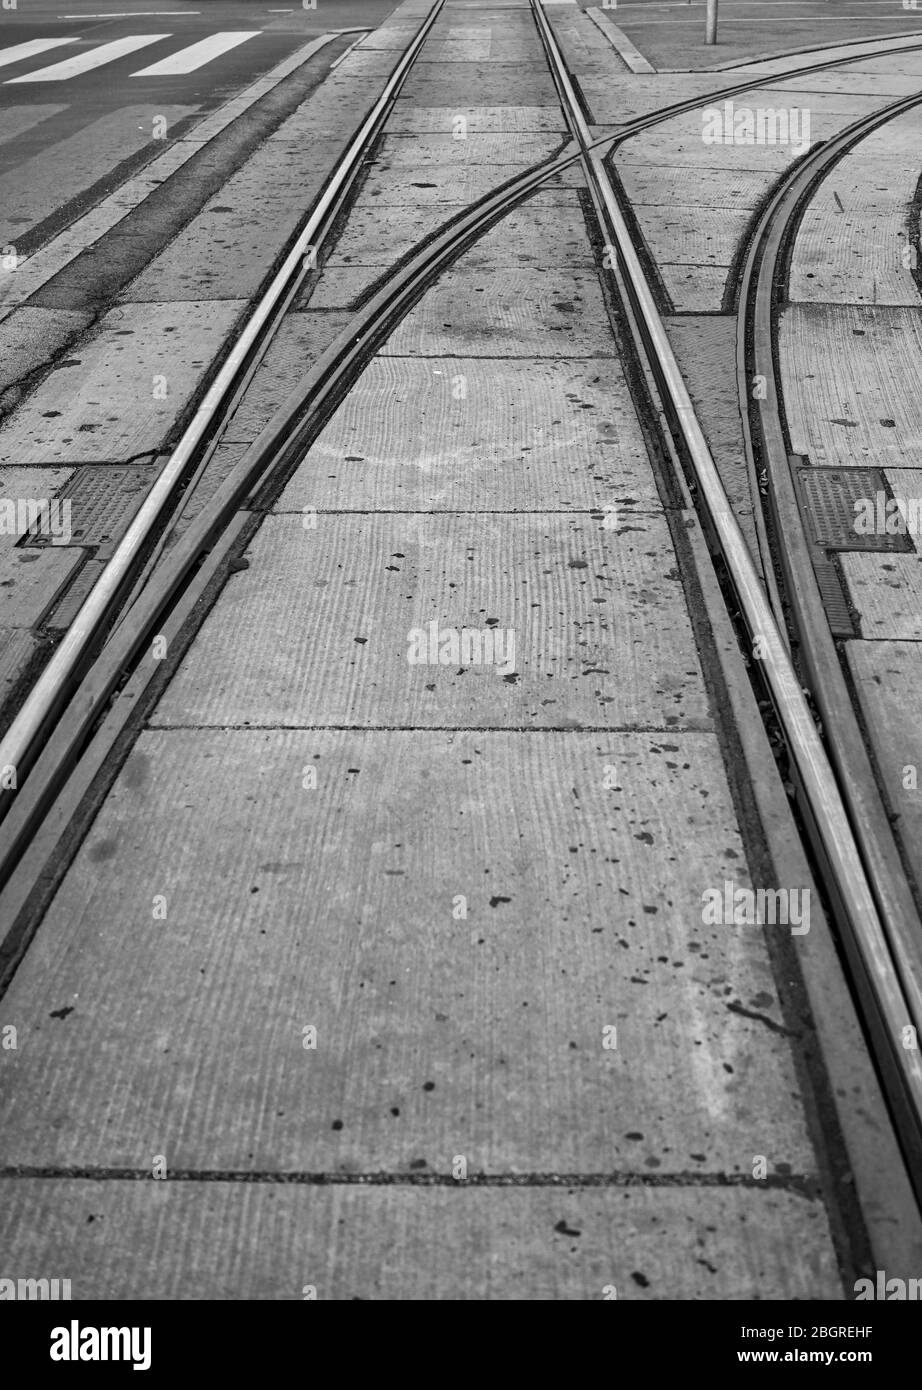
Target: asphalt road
<point>63,130</point>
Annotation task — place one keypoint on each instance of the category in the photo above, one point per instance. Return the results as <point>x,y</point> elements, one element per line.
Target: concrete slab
<point>866,181</point>
<point>380,63</point>
<point>460,183</point>
<point>502,148</point>
<point>300,340</point>
<point>19,485</point>
<point>693,235</point>
<point>845,404</point>
<point>409,119</point>
<point>853,257</point>
<point>705,348</point>
<point>493,84</point>
<point>17,647</point>
<point>229,1240</point>
<point>671,184</point>
<point>828,113</point>
<point>484,43</point>
<point>695,289</point>
<point>332,907</point>
<point>317,631</point>
<point>507,313</point>
<point>230,247</point>
<point>100,405</point>
<point>888,677</point>
<point>29,339</point>
<point>904,64</point>
<point>851,80</point>
<point>527,436</point>
<point>855,242</point>
<point>29,580</point>
<point>535,236</point>
<point>329,111</point>
<point>625,96</point>
<point>906,485</point>
<point>388,37</point>
<point>378,236</point>
<point>887,592</point>
<point>658,146</point>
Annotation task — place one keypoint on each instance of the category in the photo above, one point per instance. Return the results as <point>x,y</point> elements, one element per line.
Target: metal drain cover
<point>829,497</point>
<point>103,499</point>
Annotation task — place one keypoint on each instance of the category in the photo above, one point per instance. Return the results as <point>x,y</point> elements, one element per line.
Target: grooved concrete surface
<point>479,434</point>
<point>532,312</point>
<point>693,177</point>
<point>123,391</point>
<point>601,637</point>
<point>335,907</point>
<point>235,1240</point>
<point>346,913</point>
<point>849,344</point>
<point>856,243</point>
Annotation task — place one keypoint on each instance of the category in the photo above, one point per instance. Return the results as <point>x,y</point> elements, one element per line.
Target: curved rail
<point>892,984</point>
<point>763,271</point>
<point>20,745</point>
<point>892,977</point>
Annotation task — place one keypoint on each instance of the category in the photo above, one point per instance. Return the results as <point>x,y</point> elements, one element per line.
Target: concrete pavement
<point>403,958</point>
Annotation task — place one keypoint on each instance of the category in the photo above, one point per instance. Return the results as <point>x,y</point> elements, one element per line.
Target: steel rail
<point>17,747</point>
<point>897,995</point>
<point>763,274</point>
<point>285,438</point>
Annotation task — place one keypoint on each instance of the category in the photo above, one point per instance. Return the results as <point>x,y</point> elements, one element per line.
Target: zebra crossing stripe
<point>28,50</point>
<point>197,54</point>
<point>89,59</point>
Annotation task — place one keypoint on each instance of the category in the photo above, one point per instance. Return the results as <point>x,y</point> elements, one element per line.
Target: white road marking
<point>93,58</point>
<point>28,50</point>
<point>130,14</point>
<point>197,54</point>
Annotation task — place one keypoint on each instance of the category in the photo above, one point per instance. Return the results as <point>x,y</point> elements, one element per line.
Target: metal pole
<point>711,31</point>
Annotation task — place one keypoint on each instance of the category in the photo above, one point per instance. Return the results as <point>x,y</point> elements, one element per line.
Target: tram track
<point>836,794</point>
<point>763,275</point>
<point>117,584</point>
<point>92,693</point>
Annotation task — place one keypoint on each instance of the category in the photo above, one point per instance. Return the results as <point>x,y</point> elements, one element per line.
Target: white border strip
<point>620,41</point>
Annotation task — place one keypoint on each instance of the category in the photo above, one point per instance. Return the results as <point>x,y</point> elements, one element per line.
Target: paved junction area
<point>436,903</point>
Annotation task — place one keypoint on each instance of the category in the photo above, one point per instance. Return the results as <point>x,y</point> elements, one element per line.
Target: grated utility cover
<point>103,499</point>
<point>828,498</point>
<point>829,583</point>
<point>72,600</point>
